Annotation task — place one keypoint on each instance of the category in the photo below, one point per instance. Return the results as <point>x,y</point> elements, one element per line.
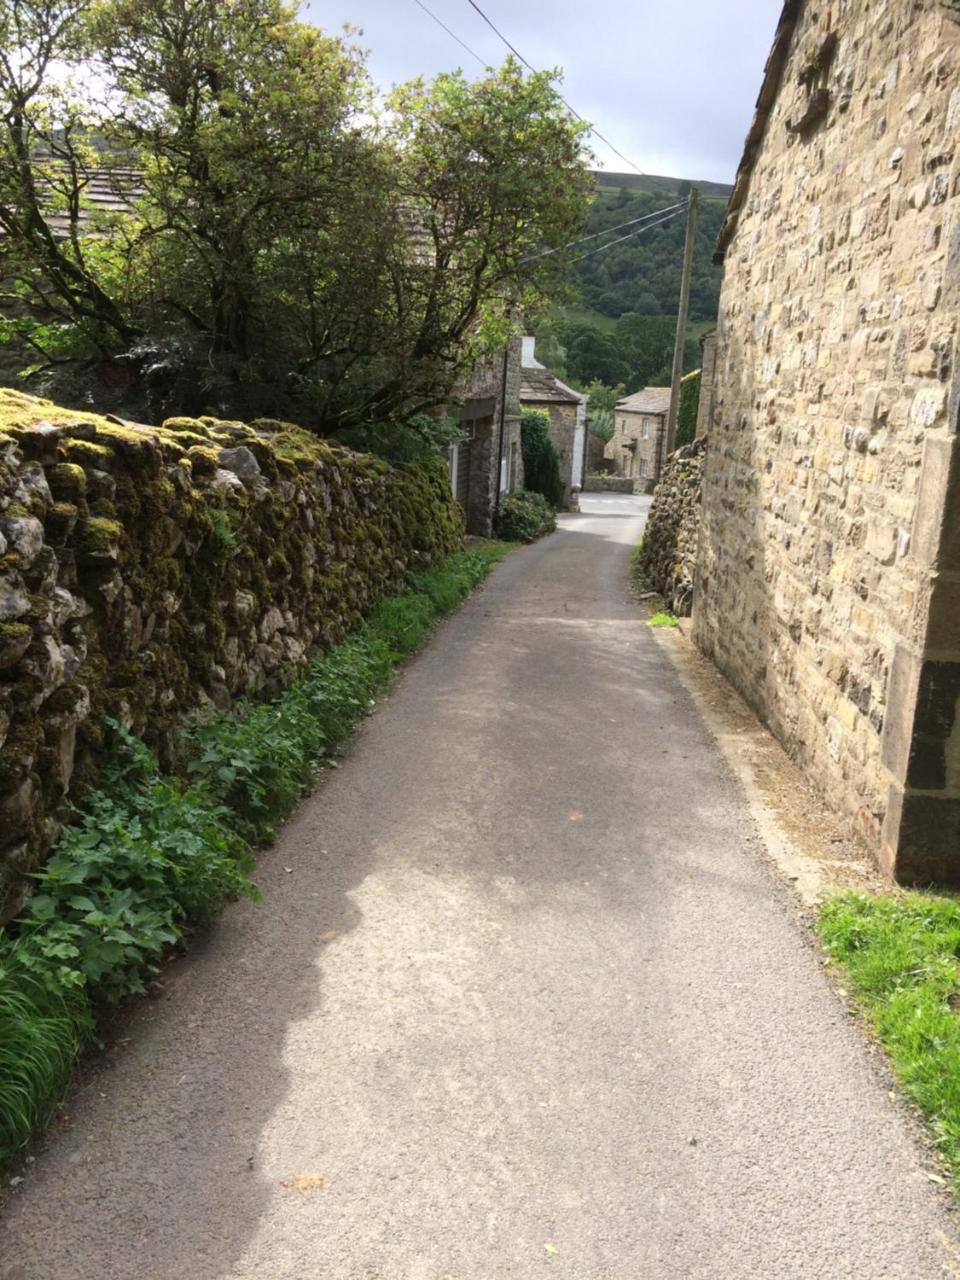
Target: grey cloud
<point>671,85</point>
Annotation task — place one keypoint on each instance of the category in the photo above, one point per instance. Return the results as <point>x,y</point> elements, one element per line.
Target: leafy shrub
<point>146,857</point>
<point>524,517</point>
<point>541,466</point>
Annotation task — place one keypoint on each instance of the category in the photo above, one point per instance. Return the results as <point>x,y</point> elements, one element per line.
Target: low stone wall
<point>669,557</point>
<point>147,571</point>
<point>608,484</point>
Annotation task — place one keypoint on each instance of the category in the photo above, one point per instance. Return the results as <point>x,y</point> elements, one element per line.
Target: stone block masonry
<point>671,534</point>
<point>828,571</point>
<point>148,571</point>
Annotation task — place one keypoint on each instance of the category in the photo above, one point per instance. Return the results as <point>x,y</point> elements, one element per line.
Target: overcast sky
<point>672,83</point>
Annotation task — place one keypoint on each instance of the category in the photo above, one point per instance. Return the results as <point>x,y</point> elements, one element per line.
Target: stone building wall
<point>481,419</point>
<point>708,367</point>
<point>636,445</point>
<point>595,460</point>
<point>823,555</point>
<point>563,432</point>
<point>146,571</point>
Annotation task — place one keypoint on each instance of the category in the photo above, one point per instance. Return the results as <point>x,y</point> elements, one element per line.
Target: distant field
<point>584,315</point>
<point>655,183</point>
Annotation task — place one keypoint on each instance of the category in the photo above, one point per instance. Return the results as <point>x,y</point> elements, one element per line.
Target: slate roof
<point>539,384</point>
<point>649,400</point>
<point>106,191</point>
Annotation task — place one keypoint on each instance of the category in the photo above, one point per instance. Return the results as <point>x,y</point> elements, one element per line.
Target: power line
<point>473,54</point>
<point>515,52</point>
<point>596,132</point>
<point>671,208</point>
<point>620,239</point>
<point>452,34</point>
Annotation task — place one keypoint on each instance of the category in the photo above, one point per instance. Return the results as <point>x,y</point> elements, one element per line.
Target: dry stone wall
<point>835,395</point>
<point>671,535</point>
<point>146,571</point>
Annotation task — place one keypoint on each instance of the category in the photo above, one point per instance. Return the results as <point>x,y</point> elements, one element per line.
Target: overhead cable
<point>473,54</point>
<point>452,34</point>
<point>573,111</point>
<point>628,236</point>
<point>671,208</point>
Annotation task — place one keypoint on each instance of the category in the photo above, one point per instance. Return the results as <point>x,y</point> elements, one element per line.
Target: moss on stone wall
<point>669,556</point>
<point>145,571</point>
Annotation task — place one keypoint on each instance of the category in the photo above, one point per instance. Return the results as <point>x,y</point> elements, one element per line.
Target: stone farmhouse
<point>828,580</point>
<point>639,434</point>
<point>541,389</point>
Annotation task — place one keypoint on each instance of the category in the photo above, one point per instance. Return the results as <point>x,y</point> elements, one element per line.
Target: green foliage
<point>146,857</point>
<point>687,408</point>
<point>601,405</point>
<point>643,274</point>
<point>902,957</point>
<point>637,353</point>
<point>151,855</point>
<point>541,466</point>
<point>289,246</point>
<point>663,619</point>
<point>524,517</point>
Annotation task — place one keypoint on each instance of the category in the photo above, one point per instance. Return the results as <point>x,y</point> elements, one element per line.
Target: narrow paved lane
<point>522,1000</point>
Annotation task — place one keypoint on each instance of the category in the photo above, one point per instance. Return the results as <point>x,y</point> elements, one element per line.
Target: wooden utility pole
<point>671,440</point>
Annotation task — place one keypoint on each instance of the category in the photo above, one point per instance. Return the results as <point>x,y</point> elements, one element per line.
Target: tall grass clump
<point>41,1034</point>
<point>901,956</point>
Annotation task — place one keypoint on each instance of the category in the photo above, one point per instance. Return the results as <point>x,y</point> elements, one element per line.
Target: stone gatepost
<point>921,740</point>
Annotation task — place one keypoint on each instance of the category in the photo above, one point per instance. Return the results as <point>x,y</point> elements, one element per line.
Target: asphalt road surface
<point>523,1000</point>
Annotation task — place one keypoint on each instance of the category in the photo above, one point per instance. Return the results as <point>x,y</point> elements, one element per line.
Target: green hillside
<point>642,274</point>
<point>618,326</point>
<point>653,182</point>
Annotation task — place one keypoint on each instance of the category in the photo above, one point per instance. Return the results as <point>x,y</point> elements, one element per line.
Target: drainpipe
<point>503,414</point>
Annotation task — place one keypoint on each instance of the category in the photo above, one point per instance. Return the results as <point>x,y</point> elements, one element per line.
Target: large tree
<point>283,244</point>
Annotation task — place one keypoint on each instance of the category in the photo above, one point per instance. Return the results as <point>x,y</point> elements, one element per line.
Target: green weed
<point>902,958</point>
<point>663,619</point>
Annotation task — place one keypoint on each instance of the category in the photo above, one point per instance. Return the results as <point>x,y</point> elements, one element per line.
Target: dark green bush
<point>541,466</point>
<point>524,517</point>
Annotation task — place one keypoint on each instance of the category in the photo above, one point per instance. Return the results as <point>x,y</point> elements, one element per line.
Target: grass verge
<point>151,856</point>
<point>901,958</point>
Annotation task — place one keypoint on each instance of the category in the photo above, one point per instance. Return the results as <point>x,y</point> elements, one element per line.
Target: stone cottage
<point>541,389</point>
<point>487,463</point>
<point>828,581</point>
<point>639,434</point>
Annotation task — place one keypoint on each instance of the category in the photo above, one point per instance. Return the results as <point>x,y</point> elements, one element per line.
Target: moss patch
<point>162,587</point>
